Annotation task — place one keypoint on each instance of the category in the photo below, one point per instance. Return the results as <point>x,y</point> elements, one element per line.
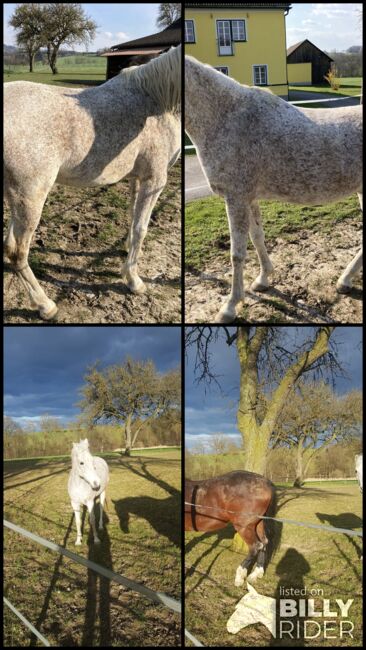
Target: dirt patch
<point>303,284</point>
<point>77,254</point>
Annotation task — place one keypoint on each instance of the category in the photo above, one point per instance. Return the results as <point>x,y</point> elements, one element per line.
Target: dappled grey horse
<point>358,469</point>
<point>253,145</point>
<point>127,127</point>
<point>88,479</point>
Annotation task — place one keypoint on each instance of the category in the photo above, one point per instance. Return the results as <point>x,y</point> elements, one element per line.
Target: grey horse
<point>127,127</point>
<point>253,145</point>
<point>87,480</point>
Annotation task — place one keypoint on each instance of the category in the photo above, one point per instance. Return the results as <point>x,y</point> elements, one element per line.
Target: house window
<point>238,30</point>
<point>189,36</point>
<point>224,39</point>
<point>228,32</point>
<point>260,75</point>
<point>223,68</point>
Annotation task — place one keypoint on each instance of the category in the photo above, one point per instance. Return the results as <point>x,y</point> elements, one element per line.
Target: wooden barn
<point>307,52</point>
<point>141,50</point>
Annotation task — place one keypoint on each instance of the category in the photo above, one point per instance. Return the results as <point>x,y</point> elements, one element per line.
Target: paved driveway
<point>196,186</point>
<point>303,95</point>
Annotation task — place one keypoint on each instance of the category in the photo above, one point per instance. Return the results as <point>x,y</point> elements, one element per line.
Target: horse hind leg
<point>238,214</point>
<point>134,187</point>
<point>90,506</point>
<point>26,213</point>
<point>147,196</point>
<point>257,236</point>
<point>345,282</point>
<point>258,571</point>
<point>249,535</point>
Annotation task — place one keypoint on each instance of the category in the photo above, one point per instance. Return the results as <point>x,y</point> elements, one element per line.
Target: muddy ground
<point>77,255</point>
<point>303,284</point>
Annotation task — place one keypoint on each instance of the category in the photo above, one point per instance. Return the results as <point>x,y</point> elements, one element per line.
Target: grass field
<point>349,87</point>
<point>70,605</point>
<point>207,232</point>
<point>72,71</point>
<point>326,562</point>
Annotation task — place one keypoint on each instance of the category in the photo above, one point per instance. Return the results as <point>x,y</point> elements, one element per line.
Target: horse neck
<point>201,99</point>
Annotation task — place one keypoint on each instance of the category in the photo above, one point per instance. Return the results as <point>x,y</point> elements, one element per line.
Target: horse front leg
<point>76,509</point>
<point>90,506</point>
<point>134,188</point>
<point>26,213</point>
<point>345,282</point>
<point>101,506</point>
<point>146,199</point>
<point>238,213</point>
<point>257,236</point>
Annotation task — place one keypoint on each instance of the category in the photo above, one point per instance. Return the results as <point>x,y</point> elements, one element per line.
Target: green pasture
<point>75,70</point>
<point>326,562</point>
<point>207,235</point>
<point>349,87</point>
<point>141,540</point>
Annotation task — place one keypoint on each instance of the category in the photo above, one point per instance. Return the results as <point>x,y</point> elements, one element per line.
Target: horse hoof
<point>240,576</point>
<point>136,286</point>
<point>225,316</point>
<point>97,541</point>
<point>48,314</point>
<point>78,543</point>
<point>256,574</point>
<point>343,288</point>
<point>258,286</point>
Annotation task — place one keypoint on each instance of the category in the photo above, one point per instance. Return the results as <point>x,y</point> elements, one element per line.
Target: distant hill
<point>10,49</point>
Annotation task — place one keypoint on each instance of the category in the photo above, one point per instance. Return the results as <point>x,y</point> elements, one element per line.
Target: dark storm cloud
<point>44,366</point>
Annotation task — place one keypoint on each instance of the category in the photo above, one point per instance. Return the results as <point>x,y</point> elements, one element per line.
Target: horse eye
<point>81,463</point>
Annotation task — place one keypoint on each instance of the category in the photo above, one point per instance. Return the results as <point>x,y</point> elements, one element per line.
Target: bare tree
<point>271,364</point>
<point>315,418</point>
<point>28,20</point>
<point>131,394</point>
<point>168,13</point>
<point>65,24</point>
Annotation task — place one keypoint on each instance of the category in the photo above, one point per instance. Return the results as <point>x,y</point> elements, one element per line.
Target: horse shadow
<point>163,515</point>
<point>344,520</point>
<point>213,541</point>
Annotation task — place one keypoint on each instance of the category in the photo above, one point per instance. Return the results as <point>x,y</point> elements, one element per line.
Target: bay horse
<point>254,145</point>
<point>128,127</point>
<point>238,498</point>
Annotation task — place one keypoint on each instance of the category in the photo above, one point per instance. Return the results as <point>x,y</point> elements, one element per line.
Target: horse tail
<point>273,529</point>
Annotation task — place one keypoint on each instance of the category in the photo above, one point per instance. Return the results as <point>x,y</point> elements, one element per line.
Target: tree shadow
<point>217,537</point>
<point>163,515</point>
<point>344,520</point>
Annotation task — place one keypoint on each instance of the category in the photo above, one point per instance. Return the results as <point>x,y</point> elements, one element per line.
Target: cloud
<point>332,10</point>
<point>122,36</point>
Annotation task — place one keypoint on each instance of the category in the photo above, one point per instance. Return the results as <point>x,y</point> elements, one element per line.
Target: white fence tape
<point>155,596</point>
<point>27,623</point>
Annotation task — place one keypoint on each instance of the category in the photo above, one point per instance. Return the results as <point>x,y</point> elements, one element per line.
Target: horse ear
<point>251,588</point>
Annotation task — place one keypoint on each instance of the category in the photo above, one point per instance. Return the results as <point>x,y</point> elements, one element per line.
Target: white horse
<point>127,127</point>
<point>88,479</point>
<point>358,468</point>
<point>253,145</point>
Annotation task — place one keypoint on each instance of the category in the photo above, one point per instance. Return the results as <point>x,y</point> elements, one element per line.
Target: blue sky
<point>44,366</point>
<point>332,26</point>
<point>210,412</point>
<point>116,22</point>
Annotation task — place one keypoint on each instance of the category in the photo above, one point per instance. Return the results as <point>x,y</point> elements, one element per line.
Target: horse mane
<point>160,78</point>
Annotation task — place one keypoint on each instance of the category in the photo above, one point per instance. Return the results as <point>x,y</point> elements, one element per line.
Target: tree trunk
<point>299,482</point>
<point>128,436</point>
<point>31,59</point>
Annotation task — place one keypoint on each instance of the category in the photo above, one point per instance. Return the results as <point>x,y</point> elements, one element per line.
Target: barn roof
<point>172,35</point>
<point>294,47</point>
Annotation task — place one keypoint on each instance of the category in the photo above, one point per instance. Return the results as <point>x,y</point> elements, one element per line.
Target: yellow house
<point>245,41</point>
